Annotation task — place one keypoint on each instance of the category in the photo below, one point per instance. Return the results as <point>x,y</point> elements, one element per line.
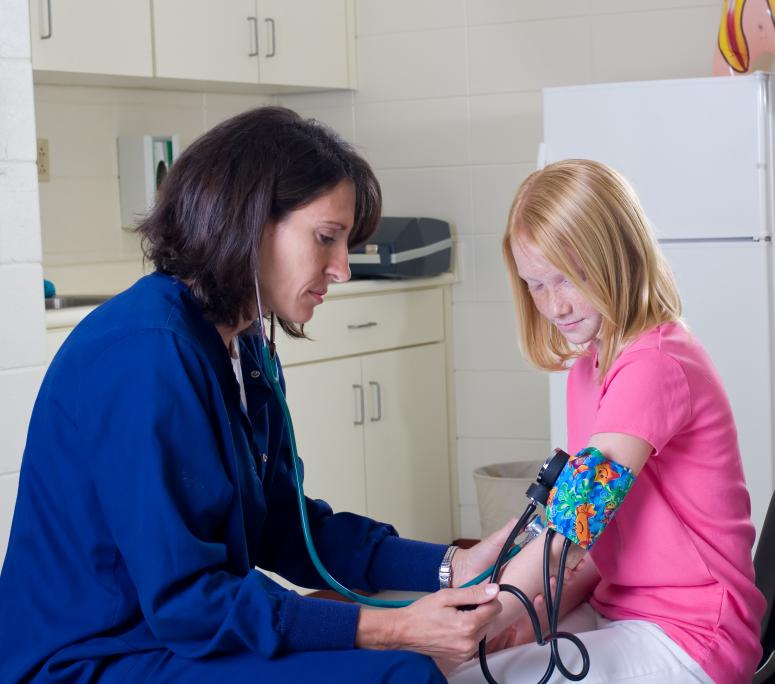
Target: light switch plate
<point>43,160</point>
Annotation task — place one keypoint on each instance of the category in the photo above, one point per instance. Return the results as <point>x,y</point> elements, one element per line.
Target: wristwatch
<point>445,569</point>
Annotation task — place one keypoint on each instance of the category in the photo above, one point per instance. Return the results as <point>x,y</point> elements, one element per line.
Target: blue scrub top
<point>145,504</point>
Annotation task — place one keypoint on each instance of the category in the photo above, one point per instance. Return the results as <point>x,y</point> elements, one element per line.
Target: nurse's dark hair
<point>212,207</point>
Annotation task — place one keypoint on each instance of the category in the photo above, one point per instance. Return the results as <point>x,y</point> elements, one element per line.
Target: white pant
<point>619,651</point>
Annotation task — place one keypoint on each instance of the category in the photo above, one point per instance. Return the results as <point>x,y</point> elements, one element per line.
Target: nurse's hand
<point>468,563</point>
<point>446,625</point>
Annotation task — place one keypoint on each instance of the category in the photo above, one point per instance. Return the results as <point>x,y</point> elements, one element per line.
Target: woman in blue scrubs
<point>157,475</point>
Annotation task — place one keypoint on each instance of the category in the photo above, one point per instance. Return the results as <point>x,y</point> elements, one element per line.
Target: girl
<point>676,600</point>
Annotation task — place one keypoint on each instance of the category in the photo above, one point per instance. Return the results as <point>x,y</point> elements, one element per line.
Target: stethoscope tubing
<point>271,367</point>
<point>507,553</point>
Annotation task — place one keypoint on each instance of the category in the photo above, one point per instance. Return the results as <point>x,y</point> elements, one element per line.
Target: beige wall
<point>85,250</point>
<point>448,110</point>
<point>22,349</point>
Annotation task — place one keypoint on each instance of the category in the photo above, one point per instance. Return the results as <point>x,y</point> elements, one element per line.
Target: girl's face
<point>305,252</point>
<point>555,297</point>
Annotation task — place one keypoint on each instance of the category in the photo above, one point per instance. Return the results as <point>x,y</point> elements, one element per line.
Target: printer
<point>404,247</point>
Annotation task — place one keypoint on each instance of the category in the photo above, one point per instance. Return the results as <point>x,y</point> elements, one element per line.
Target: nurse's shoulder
<point>140,327</point>
<point>155,302</point>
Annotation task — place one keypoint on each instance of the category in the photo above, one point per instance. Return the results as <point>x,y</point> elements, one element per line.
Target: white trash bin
<point>500,492</point>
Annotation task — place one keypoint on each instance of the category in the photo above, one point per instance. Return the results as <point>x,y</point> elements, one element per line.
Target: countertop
<point>67,318</point>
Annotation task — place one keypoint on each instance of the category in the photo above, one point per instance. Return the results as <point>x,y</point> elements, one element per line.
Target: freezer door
<point>697,151</point>
<point>725,289</point>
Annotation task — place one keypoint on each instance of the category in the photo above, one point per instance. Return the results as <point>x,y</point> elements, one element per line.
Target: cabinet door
<point>92,36</point>
<point>407,464</point>
<point>203,40</point>
<point>325,407</point>
<point>303,43</point>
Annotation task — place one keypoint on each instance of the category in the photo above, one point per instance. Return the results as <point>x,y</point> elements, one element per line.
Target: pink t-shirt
<point>678,553</point>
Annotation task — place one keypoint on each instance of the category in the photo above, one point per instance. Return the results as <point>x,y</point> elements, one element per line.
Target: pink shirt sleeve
<point>646,395</point>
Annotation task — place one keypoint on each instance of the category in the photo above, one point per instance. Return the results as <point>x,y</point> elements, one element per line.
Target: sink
<point>70,301</point>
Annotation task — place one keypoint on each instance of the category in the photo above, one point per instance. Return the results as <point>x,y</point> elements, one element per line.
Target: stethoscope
<point>272,371</point>
<point>538,492</point>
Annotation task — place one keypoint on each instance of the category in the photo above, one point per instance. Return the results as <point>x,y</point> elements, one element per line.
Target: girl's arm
<point>628,450</point>
<point>578,585</point>
<point>525,571</point>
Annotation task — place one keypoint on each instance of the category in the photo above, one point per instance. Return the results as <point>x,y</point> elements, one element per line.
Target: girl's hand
<point>446,625</point>
<point>511,636</point>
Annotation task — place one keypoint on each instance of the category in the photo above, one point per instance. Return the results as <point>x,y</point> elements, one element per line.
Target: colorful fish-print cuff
<point>587,494</point>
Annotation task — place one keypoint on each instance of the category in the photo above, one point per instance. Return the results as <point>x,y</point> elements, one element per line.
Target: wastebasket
<point>500,492</point>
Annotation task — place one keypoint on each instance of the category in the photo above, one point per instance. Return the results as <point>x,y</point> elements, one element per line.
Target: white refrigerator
<point>699,153</point>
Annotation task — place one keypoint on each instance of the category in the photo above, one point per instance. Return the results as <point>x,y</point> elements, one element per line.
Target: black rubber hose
<point>552,609</point>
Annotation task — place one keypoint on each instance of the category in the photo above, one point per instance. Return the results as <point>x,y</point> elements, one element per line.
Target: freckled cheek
<point>541,302</point>
<point>583,306</point>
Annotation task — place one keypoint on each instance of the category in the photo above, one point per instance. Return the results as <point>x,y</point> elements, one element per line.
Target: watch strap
<point>445,569</point>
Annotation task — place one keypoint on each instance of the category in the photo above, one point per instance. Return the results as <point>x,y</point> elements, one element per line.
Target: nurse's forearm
<point>376,629</point>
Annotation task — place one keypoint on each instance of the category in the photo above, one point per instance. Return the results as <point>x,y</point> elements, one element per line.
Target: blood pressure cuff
<point>588,491</point>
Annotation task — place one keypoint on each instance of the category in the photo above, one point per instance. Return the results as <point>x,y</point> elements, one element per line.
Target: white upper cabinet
<point>206,41</point>
<point>274,44</point>
<point>304,43</point>
<point>297,43</point>
<point>110,37</point>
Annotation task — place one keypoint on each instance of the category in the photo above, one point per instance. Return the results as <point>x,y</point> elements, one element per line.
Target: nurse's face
<point>305,252</point>
<point>555,297</point>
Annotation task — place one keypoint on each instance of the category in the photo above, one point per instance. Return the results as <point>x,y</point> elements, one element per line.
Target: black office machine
<point>404,247</point>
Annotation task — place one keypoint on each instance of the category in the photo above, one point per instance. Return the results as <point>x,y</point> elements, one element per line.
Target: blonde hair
<point>586,220</point>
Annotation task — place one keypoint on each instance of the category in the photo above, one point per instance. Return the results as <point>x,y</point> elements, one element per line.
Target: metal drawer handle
<point>253,37</point>
<point>272,52</point>
<point>360,326</point>
<point>359,404</point>
<point>378,396</point>
<point>50,25</point>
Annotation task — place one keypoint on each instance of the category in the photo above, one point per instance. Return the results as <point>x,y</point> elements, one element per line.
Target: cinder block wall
<point>448,111</point>
<point>22,333</point>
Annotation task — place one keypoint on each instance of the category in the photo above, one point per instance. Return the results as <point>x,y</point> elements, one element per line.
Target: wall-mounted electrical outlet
<point>43,160</point>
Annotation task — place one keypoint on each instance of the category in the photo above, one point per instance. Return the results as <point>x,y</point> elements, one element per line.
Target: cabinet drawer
<point>358,325</point>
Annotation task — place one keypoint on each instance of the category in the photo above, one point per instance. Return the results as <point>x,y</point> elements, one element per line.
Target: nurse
<point>157,475</point>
